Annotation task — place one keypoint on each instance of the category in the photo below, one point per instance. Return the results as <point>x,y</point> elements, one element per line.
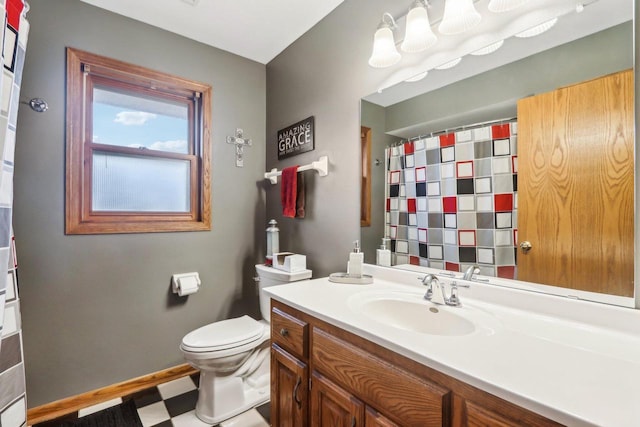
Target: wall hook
<point>38,105</point>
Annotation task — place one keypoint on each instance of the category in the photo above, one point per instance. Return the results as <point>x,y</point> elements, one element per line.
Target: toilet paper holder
<point>185,283</point>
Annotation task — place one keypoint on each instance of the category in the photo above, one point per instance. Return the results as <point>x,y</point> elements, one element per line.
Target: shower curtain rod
<point>457,129</point>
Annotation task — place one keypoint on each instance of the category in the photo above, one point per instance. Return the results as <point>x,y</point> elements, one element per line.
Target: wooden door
<point>289,379</point>
<point>575,186</point>
<point>365,181</point>
<point>331,406</point>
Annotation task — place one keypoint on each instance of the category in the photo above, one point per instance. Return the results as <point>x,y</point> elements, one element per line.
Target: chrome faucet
<point>436,293</point>
<point>468,274</point>
<point>426,281</point>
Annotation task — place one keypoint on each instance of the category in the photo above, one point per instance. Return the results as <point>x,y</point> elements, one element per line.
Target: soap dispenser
<point>356,259</point>
<point>383,255</point>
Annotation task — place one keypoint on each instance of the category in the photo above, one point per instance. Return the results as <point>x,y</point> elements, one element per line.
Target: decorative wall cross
<point>240,142</point>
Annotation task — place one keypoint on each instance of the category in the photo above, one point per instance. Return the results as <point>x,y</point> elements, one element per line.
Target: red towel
<point>300,196</point>
<point>289,190</point>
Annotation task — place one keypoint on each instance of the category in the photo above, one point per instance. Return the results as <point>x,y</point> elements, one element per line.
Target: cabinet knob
<point>526,246</point>
<point>284,332</point>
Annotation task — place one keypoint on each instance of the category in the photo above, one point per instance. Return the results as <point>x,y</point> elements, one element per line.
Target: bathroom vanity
<point>380,355</point>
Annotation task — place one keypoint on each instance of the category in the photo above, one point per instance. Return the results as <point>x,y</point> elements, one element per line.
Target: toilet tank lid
<point>223,334</point>
<point>284,276</point>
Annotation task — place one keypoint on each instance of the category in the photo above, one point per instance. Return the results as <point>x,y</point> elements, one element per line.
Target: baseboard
<point>71,404</point>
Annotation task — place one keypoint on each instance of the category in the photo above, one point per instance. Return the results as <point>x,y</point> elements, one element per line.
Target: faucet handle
<point>454,300</point>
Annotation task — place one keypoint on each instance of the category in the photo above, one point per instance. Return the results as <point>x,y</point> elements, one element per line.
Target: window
<point>138,147</point>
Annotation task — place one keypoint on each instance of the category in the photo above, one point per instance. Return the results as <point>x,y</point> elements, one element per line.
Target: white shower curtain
<point>13,403</point>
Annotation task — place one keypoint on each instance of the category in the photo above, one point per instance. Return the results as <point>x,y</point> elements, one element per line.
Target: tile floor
<point>172,404</point>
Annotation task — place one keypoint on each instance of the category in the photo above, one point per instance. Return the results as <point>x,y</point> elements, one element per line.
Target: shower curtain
<point>452,199</point>
<point>13,403</point>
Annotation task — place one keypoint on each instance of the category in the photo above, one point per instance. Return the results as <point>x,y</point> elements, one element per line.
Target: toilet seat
<point>224,335</point>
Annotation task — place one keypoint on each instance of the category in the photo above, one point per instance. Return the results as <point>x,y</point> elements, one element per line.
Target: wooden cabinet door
<point>489,413</point>
<point>403,397</point>
<point>289,379</point>
<point>576,186</point>
<point>331,406</point>
<point>373,418</point>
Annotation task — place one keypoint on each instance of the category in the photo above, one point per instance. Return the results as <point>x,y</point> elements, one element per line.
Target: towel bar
<point>322,166</point>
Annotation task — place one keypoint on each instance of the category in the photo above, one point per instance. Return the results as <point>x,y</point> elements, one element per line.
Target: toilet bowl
<point>233,356</point>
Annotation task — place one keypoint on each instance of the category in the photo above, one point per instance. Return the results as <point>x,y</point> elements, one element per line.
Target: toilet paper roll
<point>188,285</point>
<point>185,283</point>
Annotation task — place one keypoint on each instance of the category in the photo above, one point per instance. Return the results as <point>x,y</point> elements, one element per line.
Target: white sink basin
<point>411,312</point>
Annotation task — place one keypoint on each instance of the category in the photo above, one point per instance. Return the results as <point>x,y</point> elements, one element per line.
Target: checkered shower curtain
<point>12,383</point>
<point>452,199</point>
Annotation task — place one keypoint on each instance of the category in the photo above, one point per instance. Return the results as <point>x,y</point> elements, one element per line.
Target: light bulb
<point>384,52</point>
<point>459,16</point>
<point>499,6</point>
<point>418,34</point>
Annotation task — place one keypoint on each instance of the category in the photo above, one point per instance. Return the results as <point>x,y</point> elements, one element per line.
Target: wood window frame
<point>83,70</point>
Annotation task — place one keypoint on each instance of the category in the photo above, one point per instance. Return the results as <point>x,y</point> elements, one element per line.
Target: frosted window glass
<point>139,184</point>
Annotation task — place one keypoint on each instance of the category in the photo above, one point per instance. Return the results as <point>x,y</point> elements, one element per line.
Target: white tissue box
<point>290,262</point>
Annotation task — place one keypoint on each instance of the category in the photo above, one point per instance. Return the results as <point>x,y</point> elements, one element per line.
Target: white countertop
<point>575,362</point>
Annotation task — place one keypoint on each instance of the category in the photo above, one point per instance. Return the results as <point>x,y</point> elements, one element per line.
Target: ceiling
<point>260,30</point>
<point>254,29</point>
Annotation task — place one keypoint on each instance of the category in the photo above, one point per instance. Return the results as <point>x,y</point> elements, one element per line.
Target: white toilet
<point>233,356</point>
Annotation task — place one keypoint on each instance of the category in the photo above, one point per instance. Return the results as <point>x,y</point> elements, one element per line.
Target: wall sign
<point>296,139</point>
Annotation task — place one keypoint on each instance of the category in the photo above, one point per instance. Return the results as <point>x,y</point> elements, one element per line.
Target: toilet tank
<point>269,276</point>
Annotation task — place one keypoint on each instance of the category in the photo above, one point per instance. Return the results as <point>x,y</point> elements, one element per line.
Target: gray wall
<point>324,74</point>
<point>97,309</point>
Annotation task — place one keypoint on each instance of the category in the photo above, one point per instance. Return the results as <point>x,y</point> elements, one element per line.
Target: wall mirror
<point>484,91</point>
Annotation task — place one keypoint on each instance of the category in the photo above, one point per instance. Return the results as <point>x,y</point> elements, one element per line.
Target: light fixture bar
<point>417,77</point>
<point>488,49</point>
<point>449,64</point>
<point>538,29</point>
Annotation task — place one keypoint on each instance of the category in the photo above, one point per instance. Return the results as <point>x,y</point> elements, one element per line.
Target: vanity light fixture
<point>499,6</point>
<point>384,52</point>
<point>488,49</point>
<point>459,16</point>
<point>463,31</point>
<point>418,33</point>
<point>538,29</point>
